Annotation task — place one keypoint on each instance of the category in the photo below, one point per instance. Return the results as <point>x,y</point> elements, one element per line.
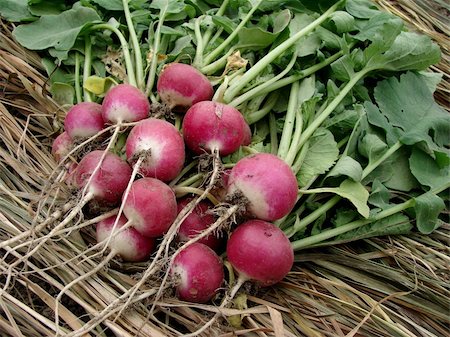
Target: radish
<point>84,120</point>
<point>61,146</point>
<point>151,206</point>
<point>125,103</point>
<point>261,252</point>
<point>197,272</point>
<point>247,135</point>
<point>181,85</point>
<point>127,242</point>
<point>267,183</point>
<point>209,126</point>
<point>197,221</point>
<point>161,147</point>
<point>108,183</point>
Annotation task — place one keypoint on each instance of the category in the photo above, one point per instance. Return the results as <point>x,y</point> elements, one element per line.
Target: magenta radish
<point>84,120</point>
<point>247,139</point>
<point>107,185</point>
<point>181,85</point>
<point>209,126</point>
<point>197,221</point>
<point>126,241</point>
<point>151,206</point>
<point>267,183</point>
<point>261,252</point>
<point>125,103</point>
<point>61,146</point>
<point>161,147</point>
<point>197,272</point>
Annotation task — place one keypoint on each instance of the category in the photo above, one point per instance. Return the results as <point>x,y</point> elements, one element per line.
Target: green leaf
<point>408,106</point>
<point>427,171</point>
<point>281,20</point>
<point>255,38</point>
<point>47,7</point>
<point>111,5</point>
<point>371,146</point>
<point>225,22</point>
<point>428,206</point>
<point>379,195</point>
<point>15,10</point>
<point>343,21</point>
<point>98,85</point>
<point>396,224</point>
<point>351,190</point>
<point>321,155</point>
<point>347,166</point>
<point>58,31</point>
<point>63,93</point>
<point>363,9</point>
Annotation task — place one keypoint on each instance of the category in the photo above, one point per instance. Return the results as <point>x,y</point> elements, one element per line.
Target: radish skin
<point>109,182</point>
<point>260,251</point>
<point>161,146</point>
<point>128,243</point>
<point>151,206</point>
<point>84,120</point>
<point>125,103</point>
<point>61,146</point>
<point>267,183</point>
<point>196,222</point>
<point>209,125</point>
<point>181,85</point>
<point>198,273</point>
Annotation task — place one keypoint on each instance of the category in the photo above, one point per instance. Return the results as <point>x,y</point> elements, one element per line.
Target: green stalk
<point>87,66</point>
<point>302,74</point>
<point>372,166</point>
<point>218,64</point>
<point>198,59</point>
<point>255,116</point>
<point>292,153</point>
<point>212,55</point>
<point>288,127</point>
<point>154,62</point>
<point>136,46</point>
<point>77,78</point>
<point>209,31</point>
<point>309,241</point>
<point>125,49</point>
<point>271,56</point>
<point>257,90</point>
<point>273,133</point>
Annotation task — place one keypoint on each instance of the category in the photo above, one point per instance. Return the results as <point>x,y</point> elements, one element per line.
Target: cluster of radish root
<point>147,216</point>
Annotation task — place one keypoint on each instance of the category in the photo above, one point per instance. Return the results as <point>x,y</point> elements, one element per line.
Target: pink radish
<point>181,85</point>
<point>210,126</point>
<point>127,242</point>
<point>61,146</point>
<point>109,182</point>
<point>267,183</point>
<point>125,103</point>
<point>197,272</point>
<point>197,221</point>
<point>84,120</point>
<point>261,252</point>
<point>247,135</point>
<point>161,147</point>
<point>151,206</point>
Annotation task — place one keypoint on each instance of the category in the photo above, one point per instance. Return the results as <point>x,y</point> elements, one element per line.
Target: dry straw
<point>375,287</point>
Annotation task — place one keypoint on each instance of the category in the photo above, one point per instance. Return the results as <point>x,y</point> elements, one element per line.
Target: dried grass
<point>393,286</point>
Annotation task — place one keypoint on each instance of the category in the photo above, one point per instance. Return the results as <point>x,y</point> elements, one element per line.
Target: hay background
<point>390,286</point>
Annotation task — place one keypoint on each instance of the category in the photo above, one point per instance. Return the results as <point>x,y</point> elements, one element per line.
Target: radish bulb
<point>126,241</point>
<point>197,221</point>
<point>61,146</point>
<point>209,126</point>
<point>107,185</point>
<point>160,146</point>
<point>197,272</point>
<point>84,120</point>
<point>181,85</point>
<point>267,184</point>
<point>151,206</point>
<point>125,103</point>
<point>261,252</point>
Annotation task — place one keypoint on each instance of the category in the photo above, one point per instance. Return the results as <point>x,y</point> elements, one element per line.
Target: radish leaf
<point>428,206</point>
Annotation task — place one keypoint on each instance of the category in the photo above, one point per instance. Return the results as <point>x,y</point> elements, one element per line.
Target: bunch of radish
<point>138,180</point>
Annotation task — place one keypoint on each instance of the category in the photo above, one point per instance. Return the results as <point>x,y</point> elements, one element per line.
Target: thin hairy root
<point>77,280</point>
<point>173,230</point>
<point>228,298</point>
